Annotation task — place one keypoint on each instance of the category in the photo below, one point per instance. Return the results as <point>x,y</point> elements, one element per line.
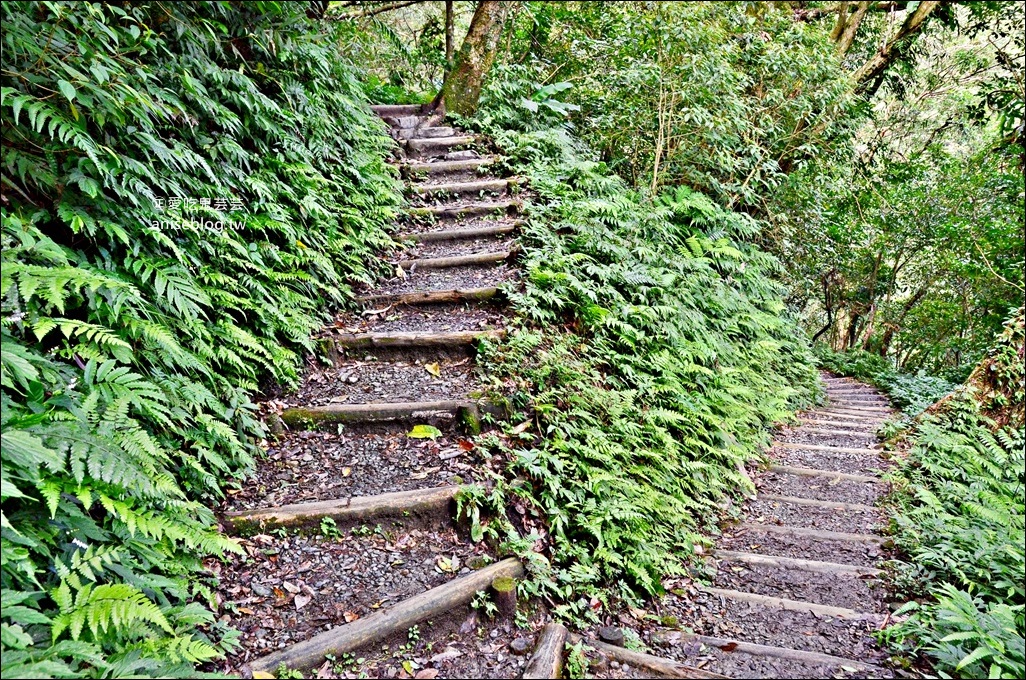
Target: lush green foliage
<point>655,355</point>
<point>135,331</point>
<point>959,518</point>
<point>912,247</point>
<point>716,96</point>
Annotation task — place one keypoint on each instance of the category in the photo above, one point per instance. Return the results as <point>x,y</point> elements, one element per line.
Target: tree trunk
<point>868,76</point>
<point>449,38</point>
<point>462,87</point>
<point>848,26</point>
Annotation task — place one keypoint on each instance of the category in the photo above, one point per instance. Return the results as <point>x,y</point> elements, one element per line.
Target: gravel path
<point>448,279</point>
<point>313,465</point>
<point>286,589</point>
<point>357,382</point>
<point>450,317</point>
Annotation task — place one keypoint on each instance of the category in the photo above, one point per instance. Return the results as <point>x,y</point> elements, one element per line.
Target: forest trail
<point>796,591</point>
<point>373,487</point>
<point>380,578</point>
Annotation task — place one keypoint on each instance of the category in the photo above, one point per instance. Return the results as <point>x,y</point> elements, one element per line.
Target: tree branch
<point>873,69</point>
<point>372,11</point>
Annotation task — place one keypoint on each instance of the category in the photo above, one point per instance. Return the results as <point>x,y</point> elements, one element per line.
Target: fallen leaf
<point>465,445</point>
<point>350,616</point>
<point>427,673</point>
<point>302,600</point>
<point>448,565</point>
<point>346,471</point>
<point>263,675</point>
<point>291,587</point>
<point>449,653</point>
<point>434,369</point>
<point>279,592</point>
<point>246,610</point>
<point>424,432</point>
<point>729,647</point>
<point>521,427</point>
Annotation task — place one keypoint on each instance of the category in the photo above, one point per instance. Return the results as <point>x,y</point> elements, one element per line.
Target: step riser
<point>456,261</point>
<point>429,297</point>
<point>498,186</point>
<point>438,145</point>
<point>461,234</point>
<point>440,167</point>
<point>442,213</point>
<point>402,340</point>
<point>348,511</point>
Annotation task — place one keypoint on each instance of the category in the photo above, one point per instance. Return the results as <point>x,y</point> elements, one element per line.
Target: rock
<point>461,155</point>
<point>611,635</point>
<point>259,590</point>
<point>520,646</point>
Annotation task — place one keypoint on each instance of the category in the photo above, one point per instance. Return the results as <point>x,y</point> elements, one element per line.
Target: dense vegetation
<point>187,189</point>
<point>654,356</point>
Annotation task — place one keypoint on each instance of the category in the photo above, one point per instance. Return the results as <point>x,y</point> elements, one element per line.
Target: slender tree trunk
<point>449,39</point>
<point>462,87</point>
<point>848,26</point>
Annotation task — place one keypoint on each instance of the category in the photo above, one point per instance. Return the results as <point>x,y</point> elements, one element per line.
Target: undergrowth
<point>187,188</point>
<point>653,356</point>
<point>958,514</point>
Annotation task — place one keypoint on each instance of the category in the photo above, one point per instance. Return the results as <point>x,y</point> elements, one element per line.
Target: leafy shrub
<point>654,355</point>
<point>131,350</point>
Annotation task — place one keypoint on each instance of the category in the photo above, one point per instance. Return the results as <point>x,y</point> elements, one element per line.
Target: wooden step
<point>381,624</point>
<point>459,234</point>
<point>784,603</point>
<point>755,559</point>
<point>438,143</point>
<point>813,503</point>
<point>546,661</point>
<point>801,656</point>
<point>819,447</point>
<point>848,424</point>
<point>663,668</point>
<point>475,187</point>
<point>439,167</point>
<point>875,417</point>
<point>429,132</point>
<point>456,260</point>
<point>810,472</point>
<point>418,502</point>
<point>820,534</point>
<point>397,109</point>
<point>839,433</point>
<point>415,339</point>
<point>372,413</point>
<point>485,208</point>
<point>429,297</point>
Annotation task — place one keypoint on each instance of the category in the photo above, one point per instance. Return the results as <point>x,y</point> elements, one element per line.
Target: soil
<point>834,461</point>
<point>370,380</point>
<point>811,517</point>
<point>804,547</point>
<point>468,246</point>
<point>479,276</point>
<point>322,465</point>
<point>289,588</point>
<point>448,317</point>
<point>836,590</point>
<point>821,488</point>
